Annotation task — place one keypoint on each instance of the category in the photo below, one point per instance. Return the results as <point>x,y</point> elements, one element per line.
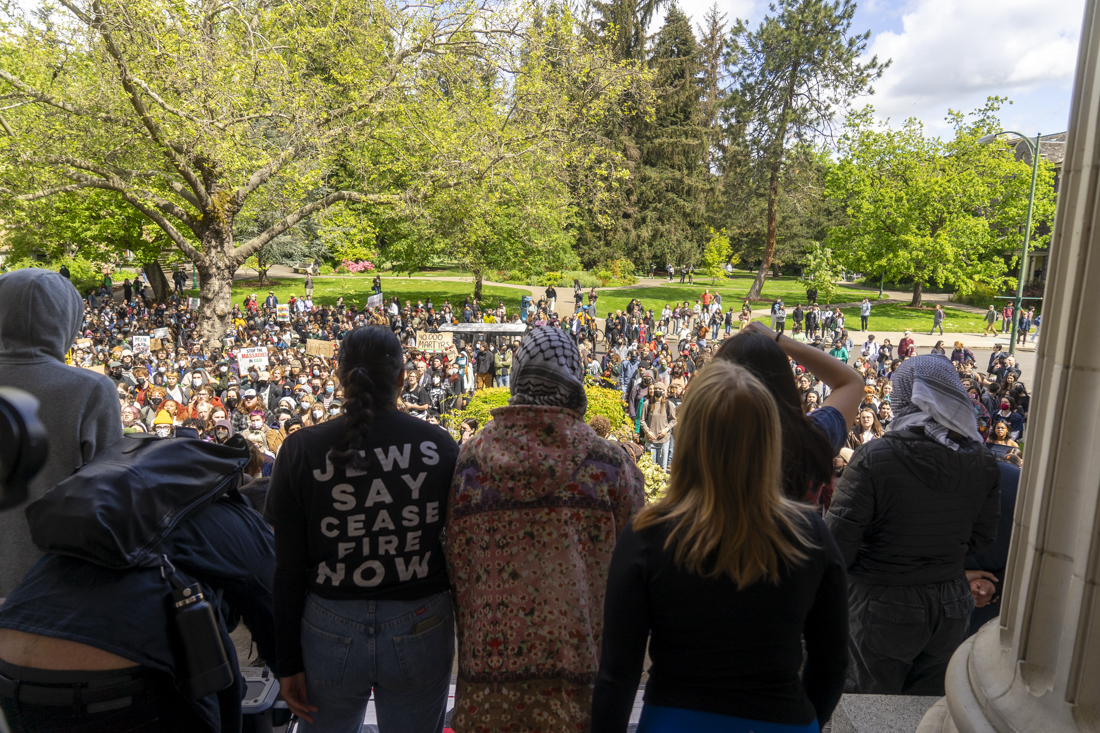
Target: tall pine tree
<point>673,186</point>
<point>791,77</point>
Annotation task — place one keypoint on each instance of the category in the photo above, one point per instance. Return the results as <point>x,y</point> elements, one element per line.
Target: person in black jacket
<point>725,578</point>
<point>908,509</point>
<point>111,632</point>
<point>363,601</point>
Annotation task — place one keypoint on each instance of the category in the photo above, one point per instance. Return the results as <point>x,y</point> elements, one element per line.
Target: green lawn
<point>893,317</point>
<point>733,292</point>
<point>357,289</point>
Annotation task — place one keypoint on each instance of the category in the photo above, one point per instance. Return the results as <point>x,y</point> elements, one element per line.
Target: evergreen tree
<point>673,186</point>
<point>790,78</point>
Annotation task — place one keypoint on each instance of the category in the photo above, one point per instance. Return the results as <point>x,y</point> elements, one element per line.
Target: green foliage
<point>716,254</point>
<point>822,271</point>
<point>656,478</point>
<point>981,297</point>
<point>606,402</point>
<point>931,211</point>
<point>791,76</point>
<point>84,274</point>
<point>565,280</point>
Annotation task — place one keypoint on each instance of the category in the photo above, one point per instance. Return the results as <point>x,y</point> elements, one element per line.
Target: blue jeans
<point>351,648</point>
<point>660,454</point>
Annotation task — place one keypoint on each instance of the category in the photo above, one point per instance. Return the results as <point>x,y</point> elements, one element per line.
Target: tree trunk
<point>477,287</point>
<point>157,281</point>
<point>918,290</point>
<point>769,244</point>
<point>216,268</point>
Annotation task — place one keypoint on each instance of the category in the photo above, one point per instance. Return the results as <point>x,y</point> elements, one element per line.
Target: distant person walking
<point>864,314</point>
<point>990,322</point>
<point>937,320</point>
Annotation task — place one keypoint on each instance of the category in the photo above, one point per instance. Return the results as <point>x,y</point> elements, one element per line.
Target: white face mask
<point>163,432</point>
<point>197,381</point>
<point>223,369</point>
<point>301,380</point>
<point>318,414</point>
<point>256,424</point>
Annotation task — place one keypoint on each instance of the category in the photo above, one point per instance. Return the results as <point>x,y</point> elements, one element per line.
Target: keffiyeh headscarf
<point>547,370</point>
<point>928,394</point>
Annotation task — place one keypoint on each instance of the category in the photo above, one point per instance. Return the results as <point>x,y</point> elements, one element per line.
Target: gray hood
<point>40,316</point>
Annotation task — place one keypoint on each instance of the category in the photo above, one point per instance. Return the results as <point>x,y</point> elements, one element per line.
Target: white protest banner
<point>141,344</point>
<point>374,301</point>
<point>161,333</point>
<point>426,341</point>
<point>193,303</point>
<point>253,356</point>
<point>282,312</point>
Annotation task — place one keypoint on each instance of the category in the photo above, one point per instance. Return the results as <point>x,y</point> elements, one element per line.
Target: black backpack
<point>115,510</point>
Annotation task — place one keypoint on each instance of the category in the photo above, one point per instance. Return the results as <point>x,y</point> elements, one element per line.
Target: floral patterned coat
<point>537,504</point>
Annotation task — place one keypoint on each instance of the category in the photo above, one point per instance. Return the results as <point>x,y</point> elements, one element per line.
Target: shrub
<point>84,274</point>
<point>605,276</point>
<point>565,279</point>
<point>356,266</point>
<point>606,402</point>
<point>656,478</point>
<point>982,296</point>
<point>325,270</point>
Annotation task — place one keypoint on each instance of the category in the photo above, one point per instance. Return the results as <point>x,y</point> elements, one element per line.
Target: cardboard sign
<point>451,353</point>
<point>434,342</point>
<point>320,347</point>
<point>375,301</point>
<point>97,369</point>
<point>193,303</point>
<point>141,344</point>
<point>253,356</point>
<point>162,333</point>
<point>155,344</point>
<point>282,312</point>
<point>84,343</point>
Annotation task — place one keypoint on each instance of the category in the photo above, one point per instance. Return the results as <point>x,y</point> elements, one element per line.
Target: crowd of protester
<point>770,577</point>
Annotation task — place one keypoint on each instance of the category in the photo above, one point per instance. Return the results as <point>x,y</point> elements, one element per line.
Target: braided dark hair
<point>370,364</point>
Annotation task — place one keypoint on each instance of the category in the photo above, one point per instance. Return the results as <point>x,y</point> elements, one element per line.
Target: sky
<point>953,54</point>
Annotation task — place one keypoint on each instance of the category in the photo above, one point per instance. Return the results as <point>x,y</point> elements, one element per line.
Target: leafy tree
<point>716,254</point>
<point>821,272</point>
<point>790,77</point>
<point>919,208</point>
<point>187,111</point>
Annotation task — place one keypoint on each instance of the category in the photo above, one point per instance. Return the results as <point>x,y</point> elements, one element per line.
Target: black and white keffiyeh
<point>547,370</point>
<point>928,393</point>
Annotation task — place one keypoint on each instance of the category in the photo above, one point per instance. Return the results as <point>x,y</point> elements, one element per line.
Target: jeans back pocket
<point>427,656</point>
<point>324,655</point>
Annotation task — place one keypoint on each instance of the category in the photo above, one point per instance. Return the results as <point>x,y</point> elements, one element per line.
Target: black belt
<point>111,695</point>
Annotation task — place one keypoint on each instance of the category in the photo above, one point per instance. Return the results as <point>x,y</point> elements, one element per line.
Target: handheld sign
<point>161,333</point>
<point>193,303</point>
<point>374,301</point>
<point>319,347</point>
<point>141,344</point>
<point>435,342</point>
<point>282,312</point>
<point>253,356</point>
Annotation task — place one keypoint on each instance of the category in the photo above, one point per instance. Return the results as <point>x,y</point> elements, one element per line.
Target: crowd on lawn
<point>771,576</point>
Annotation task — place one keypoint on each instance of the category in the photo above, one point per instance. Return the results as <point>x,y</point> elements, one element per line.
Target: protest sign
<point>253,356</point>
<point>141,344</point>
<point>374,301</point>
<point>320,347</point>
<point>426,341</point>
<point>282,312</point>
<point>155,344</point>
<point>193,303</point>
<point>97,369</point>
<point>83,343</point>
<point>161,333</point>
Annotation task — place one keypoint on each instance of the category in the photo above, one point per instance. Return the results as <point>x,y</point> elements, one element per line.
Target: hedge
<point>601,401</point>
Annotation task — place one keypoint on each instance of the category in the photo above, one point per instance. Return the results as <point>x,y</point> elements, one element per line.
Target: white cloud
<point>955,53</point>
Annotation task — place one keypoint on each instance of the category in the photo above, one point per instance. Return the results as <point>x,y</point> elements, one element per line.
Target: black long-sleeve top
<point>719,649</point>
<point>347,534</point>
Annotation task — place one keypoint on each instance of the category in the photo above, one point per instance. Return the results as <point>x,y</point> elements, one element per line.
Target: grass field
<point>355,290</point>
<point>898,318</point>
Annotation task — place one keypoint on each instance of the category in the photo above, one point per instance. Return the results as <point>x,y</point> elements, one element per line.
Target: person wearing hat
<point>163,425</point>
<point>271,301</point>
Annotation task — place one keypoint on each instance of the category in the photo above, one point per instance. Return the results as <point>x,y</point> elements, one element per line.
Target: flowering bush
<point>656,478</point>
<point>360,266</point>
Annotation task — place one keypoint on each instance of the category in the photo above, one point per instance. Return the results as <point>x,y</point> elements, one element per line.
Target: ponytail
<point>370,365</point>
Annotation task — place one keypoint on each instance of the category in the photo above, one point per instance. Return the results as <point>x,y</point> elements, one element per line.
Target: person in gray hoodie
<point>39,319</point>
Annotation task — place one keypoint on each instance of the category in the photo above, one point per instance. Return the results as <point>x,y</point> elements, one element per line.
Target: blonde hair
<point>728,516</point>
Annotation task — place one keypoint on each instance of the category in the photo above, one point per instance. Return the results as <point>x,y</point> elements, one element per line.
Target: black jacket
<point>907,510</point>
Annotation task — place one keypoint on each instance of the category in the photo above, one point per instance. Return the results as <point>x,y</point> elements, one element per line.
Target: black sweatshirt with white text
<point>346,534</point>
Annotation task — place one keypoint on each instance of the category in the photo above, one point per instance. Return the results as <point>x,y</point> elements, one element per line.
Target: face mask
<point>256,424</point>
<point>330,389</point>
<point>301,380</point>
<point>231,401</point>
<point>164,432</point>
<point>197,381</point>
<point>221,434</point>
<point>318,414</point>
<point>162,370</point>
<point>1004,405</point>
<point>223,369</point>
<point>333,412</point>
<point>435,381</point>
<point>283,420</point>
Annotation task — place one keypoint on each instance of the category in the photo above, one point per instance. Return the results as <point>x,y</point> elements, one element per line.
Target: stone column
<point>1037,667</point>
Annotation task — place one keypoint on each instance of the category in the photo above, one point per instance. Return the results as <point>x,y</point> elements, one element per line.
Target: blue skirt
<point>656,719</point>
